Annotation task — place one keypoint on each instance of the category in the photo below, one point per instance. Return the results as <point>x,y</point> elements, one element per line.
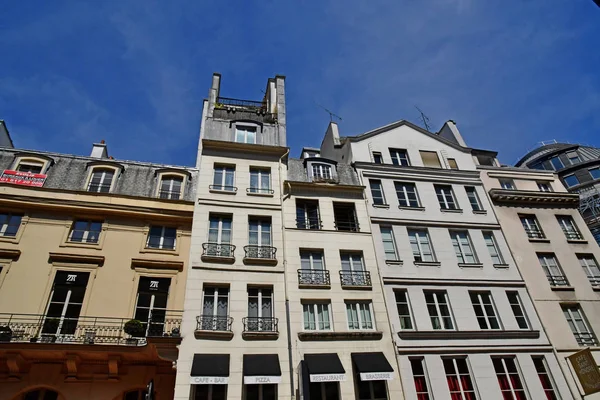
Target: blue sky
<point>510,73</point>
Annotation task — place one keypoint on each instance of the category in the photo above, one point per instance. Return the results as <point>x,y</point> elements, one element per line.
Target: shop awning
<point>210,369</point>
<point>325,367</point>
<point>261,369</point>
<point>373,366</point>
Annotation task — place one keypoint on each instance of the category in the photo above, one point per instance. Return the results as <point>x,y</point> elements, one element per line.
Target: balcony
<point>223,189</point>
<point>218,252</point>
<point>260,191</point>
<point>535,234</point>
<point>573,235</point>
<point>260,328</point>
<point>347,225</point>
<point>313,278</point>
<point>228,108</point>
<point>213,327</point>
<point>308,223</point>
<point>585,339</point>
<point>355,279</point>
<point>169,194</point>
<point>558,280</point>
<point>261,255</point>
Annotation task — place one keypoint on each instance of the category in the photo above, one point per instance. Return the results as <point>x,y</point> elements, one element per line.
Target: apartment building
<point>93,255</point>
<point>464,324</point>
<point>556,254</point>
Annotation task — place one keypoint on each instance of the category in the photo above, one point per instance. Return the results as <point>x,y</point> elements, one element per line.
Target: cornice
<point>156,264</point>
<point>324,186</point>
<point>533,197</point>
<point>76,258</point>
<point>11,254</point>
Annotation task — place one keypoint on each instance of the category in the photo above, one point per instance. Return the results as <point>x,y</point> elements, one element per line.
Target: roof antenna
<point>424,119</point>
<point>331,114</point>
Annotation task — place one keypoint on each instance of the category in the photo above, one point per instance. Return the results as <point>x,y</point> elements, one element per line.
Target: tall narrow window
<point>407,194</point>
<point>458,376</point>
<point>317,316</point>
<point>359,315</point>
<point>66,300</point>
<point>473,198</point>
<point>568,227</point>
<point>344,215</point>
<point>439,309</point>
<point>492,246</point>
<point>9,224</point>
<point>170,187</point>
<point>245,134</point>
<point>101,180</point>
<point>579,325</point>
<point>517,308</point>
<point>260,181</point>
<point>353,271</point>
<point>430,159</point>
<point>461,241</point>
<point>421,245</point>
<point>509,378</point>
<point>224,178</point>
<point>590,266</point>
<point>532,227</point>
<point>260,310</point>
<point>215,309</point>
<point>377,192</point>
<point>484,310</point>
<point>162,237</point>
<point>307,214</point>
<point>553,272</point>
<point>544,186</point>
<point>377,158</point>
<point>85,231</point>
<point>312,268</point>
<point>151,304</point>
<point>399,157</point>
<point>507,184</point>
<point>219,236</point>
<point>403,308</point>
<point>259,237</point>
<point>312,260</point>
<point>420,378</point>
<point>389,243</point>
<point>445,197</point>
<point>541,367</point>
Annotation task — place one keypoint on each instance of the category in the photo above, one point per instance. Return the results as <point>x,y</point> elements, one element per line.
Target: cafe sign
<point>23,178</point>
<point>586,370</point>
<point>209,380</point>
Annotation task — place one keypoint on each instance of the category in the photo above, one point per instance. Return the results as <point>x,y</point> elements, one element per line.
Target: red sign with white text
<point>22,178</point>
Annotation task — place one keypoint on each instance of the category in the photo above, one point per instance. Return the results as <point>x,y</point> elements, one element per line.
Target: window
<point>556,163</point>
<point>259,231</point>
<point>473,198</point>
<point>403,307</point>
<point>352,261</point>
<point>507,184</point>
<point>399,157</point>
<point>162,237</point>
<point>579,325</point>
<point>458,376</point>
<point>101,180</point>
<point>452,163</point>
<point>260,310</point>
<point>544,186</point>
<point>571,180</point>
<point>312,260</point>
<point>261,392</point>
<point>484,310</point>
<point>492,246</point>
<point>417,366</point>
<point>439,309</point>
<point>377,158</point>
<point>553,272</point>
<point>151,304</point>
<point>170,187</point>
<point>541,367</point>
<point>224,178</point>
<point>430,159</point>
<point>461,241</point>
<point>316,316</point>
<point>215,309</point>
<point>321,172</point>
<point>344,215</point>
<point>595,172</point>
<point>307,214</point>
<point>568,227</point>
<point>359,315</point>
<point>210,392</point>
<point>66,300</point>
<point>389,243</point>
<point>407,194</point>
<point>590,266</point>
<point>573,157</point>
<point>445,197</point>
<point>421,245</point>
<point>370,390</point>
<point>245,134</point>
<point>9,224</point>
<point>509,378</point>
<point>312,268</point>
<point>324,391</point>
<point>85,231</point>
<point>219,236</point>
<point>260,180</point>
<point>377,192</point>
<point>33,167</point>
<point>532,227</point>
<point>517,308</point>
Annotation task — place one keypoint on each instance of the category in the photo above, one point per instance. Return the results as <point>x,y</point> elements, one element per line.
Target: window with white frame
<point>224,178</point>
<point>101,180</point>
<point>552,269</point>
<point>170,187</point>
<point>541,367</point>
<point>590,266</point>
<point>307,214</point>
<point>215,309</point>
<point>421,245</point>
<point>544,186</point>
<point>568,227</point>
<point>389,243</point>
<point>532,227</point>
<point>493,249</point>
<point>260,310</point>
<point>399,157</point>
<point>352,261</point>
<point>316,315</point>
<point>445,196</point>
<point>245,134</point>
<point>417,366</point>
<point>259,231</point>
<point>85,231</point>
<point>219,229</point>
<point>509,378</point>
<point>459,379</point>
<point>439,309</point>
<point>507,184</point>
<point>517,308</point>
<point>461,241</point>
<point>377,192</point>
<point>9,224</point>
<point>260,180</point>
<point>360,315</point>
<point>430,159</point>
<point>321,171</point>
<point>473,198</point>
<point>30,166</point>
<point>377,157</point>
<point>407,194</point>
<point>579,325</point>
<point>485,311</point>
<point>162,237</point>
<point>403,307</point>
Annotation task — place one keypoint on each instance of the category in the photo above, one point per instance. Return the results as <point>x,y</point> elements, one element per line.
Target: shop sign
<point>586,370</point>
<point>377,376</point>
<point>23,178</point>
<point>209,380</point>
<point>257,380</point>
<point>328,377</point>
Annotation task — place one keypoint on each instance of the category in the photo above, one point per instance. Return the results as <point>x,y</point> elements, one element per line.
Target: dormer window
<point>101,180</point>
<point>31,163</point>
<point>245,134</point>
<point>170,187</point>
<point>31,166</point>
<point>321,171</point>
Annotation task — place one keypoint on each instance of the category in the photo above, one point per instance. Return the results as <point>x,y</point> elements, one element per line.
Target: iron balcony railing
<point>85,329</point>
<point>573,235</point>
<point>313,277</point>
<point>248,104</point>
<point>218,249</point>
<point>260,324</point>
<point>214,323</point>
<point>594,280</point>
<point>355,278</point>
<point>308,223</point>
<point>84,236</point>
<point>259,190</point>
<point>224,188</point>
<point>585,338</point>
<point>534,233</point>
<point>169,194</point>
<point>558,280</point>
<point>346,225</point>
<point>263,252</point>
<point>154,242</point>
<point>99,187</point>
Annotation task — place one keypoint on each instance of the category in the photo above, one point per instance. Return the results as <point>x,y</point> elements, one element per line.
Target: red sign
<point>22,178</point>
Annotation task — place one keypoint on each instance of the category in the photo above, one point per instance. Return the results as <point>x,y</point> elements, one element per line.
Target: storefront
<point>262,374</point>
<point>371,372</point>
<point>210,376</point>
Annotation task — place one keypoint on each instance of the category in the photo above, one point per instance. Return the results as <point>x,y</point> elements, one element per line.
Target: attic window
<point>430,159</point>
<point>33,167</point>
<point>321,172</point>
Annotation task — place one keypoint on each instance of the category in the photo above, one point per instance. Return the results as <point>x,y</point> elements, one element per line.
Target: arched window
<point>41,394</point>
<point>135,395</point>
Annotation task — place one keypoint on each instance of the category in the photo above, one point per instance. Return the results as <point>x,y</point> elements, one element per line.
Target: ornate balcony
<point>218,252</point>
<point>213,327</point>
<point>264,255</point>
<point>228,108</point>
<point>586,339</point>
<point>558,280</point>
<point>261,324</point>
<point>355,279</point>
<point>314,278</point>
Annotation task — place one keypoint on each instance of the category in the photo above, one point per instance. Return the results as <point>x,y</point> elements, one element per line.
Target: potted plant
<point>135,329</point>
<point>5,333</point>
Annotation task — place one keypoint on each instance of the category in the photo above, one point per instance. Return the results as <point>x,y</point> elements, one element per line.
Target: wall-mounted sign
<point>327,377</point>
<point>257,380</point>
<point>209,380</point>
<point>376,376</point>
<point>23,178</point>
<point>586,370</point>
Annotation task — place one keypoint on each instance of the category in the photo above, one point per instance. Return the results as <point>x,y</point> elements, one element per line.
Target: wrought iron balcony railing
<point>557,280</point>
<point>160,242</point>
<point>248,104</point>
<point>315,277</point>
<point>99,188</point>
<point>585,339</point>
<point>84,236</point>
<point>223,188</point>
<point>535,234</point>
<point>261,252</point>
<point>259,190</point>
<point>346,225</point>
<point>169,194</point>
<point>573,235</point>
<point>218,249</point>
<point>260,324</point>
<point>355,278</point>
<point>85,329</point>
<point>214,323</point>
<point>308,223</point>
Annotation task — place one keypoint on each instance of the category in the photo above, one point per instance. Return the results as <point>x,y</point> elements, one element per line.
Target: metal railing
<point>594,280</point>
<point>535,234</point>
<point>79,236</point>
<point>346,225</point>
<point>169,194</point>
<point>264,252</point>
<point>99,187</point>
<point>85,329</point>
<point>154,242</point>
<point>214,323</point>
<point>308,223</point>
<point>557,280</point>
<point>218,249</point>
<point>224,188</point>
<point>573,235</point>
<point>355,278</point>
<point>585,338</point>
<point>250,104</point>
<point>260,324</point>
<point>259,190</point>
<point>313,277</point>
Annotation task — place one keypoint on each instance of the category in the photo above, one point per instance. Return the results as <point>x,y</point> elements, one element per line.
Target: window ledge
<point>82,245</point>
<point>565,288</point>
<point>313,286</point>
<point>484,334</point>
<point>9,239</point>
<point>222,191</point>
<point>412,208</point>
<point>76,258</point>
<point>483,212</point>
<point>470,265</point>
<point>452,210</point>
<point>501,266</point>
<point>260,261</point>
<point>394,262</point>
<point>577,241</point>
<point>218,259</point>
<point>357,287</point>
<point>215,335</point>
<point>10,254</point>
<point>317,336</point>
<point>156,264</point>
<point>381,205</point>
<point>159,251</point>
<point>256,194</point>
<point>539,240</point>
<point>428,263</point>
<point>260,335</point>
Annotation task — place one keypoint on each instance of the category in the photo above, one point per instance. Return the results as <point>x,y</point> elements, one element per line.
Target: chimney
<point>99,150</point>
<point>5,140</point>
<point>450,131</point>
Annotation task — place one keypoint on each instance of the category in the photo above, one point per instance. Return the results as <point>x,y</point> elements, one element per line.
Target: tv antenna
<point>331,114</point>
<point>424,118</point>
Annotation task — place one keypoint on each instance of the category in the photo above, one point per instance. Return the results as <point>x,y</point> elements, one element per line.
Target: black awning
<point>326,363</point>
<point>372,366</point>
<point>261,365</point>
<point>210,365</point>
